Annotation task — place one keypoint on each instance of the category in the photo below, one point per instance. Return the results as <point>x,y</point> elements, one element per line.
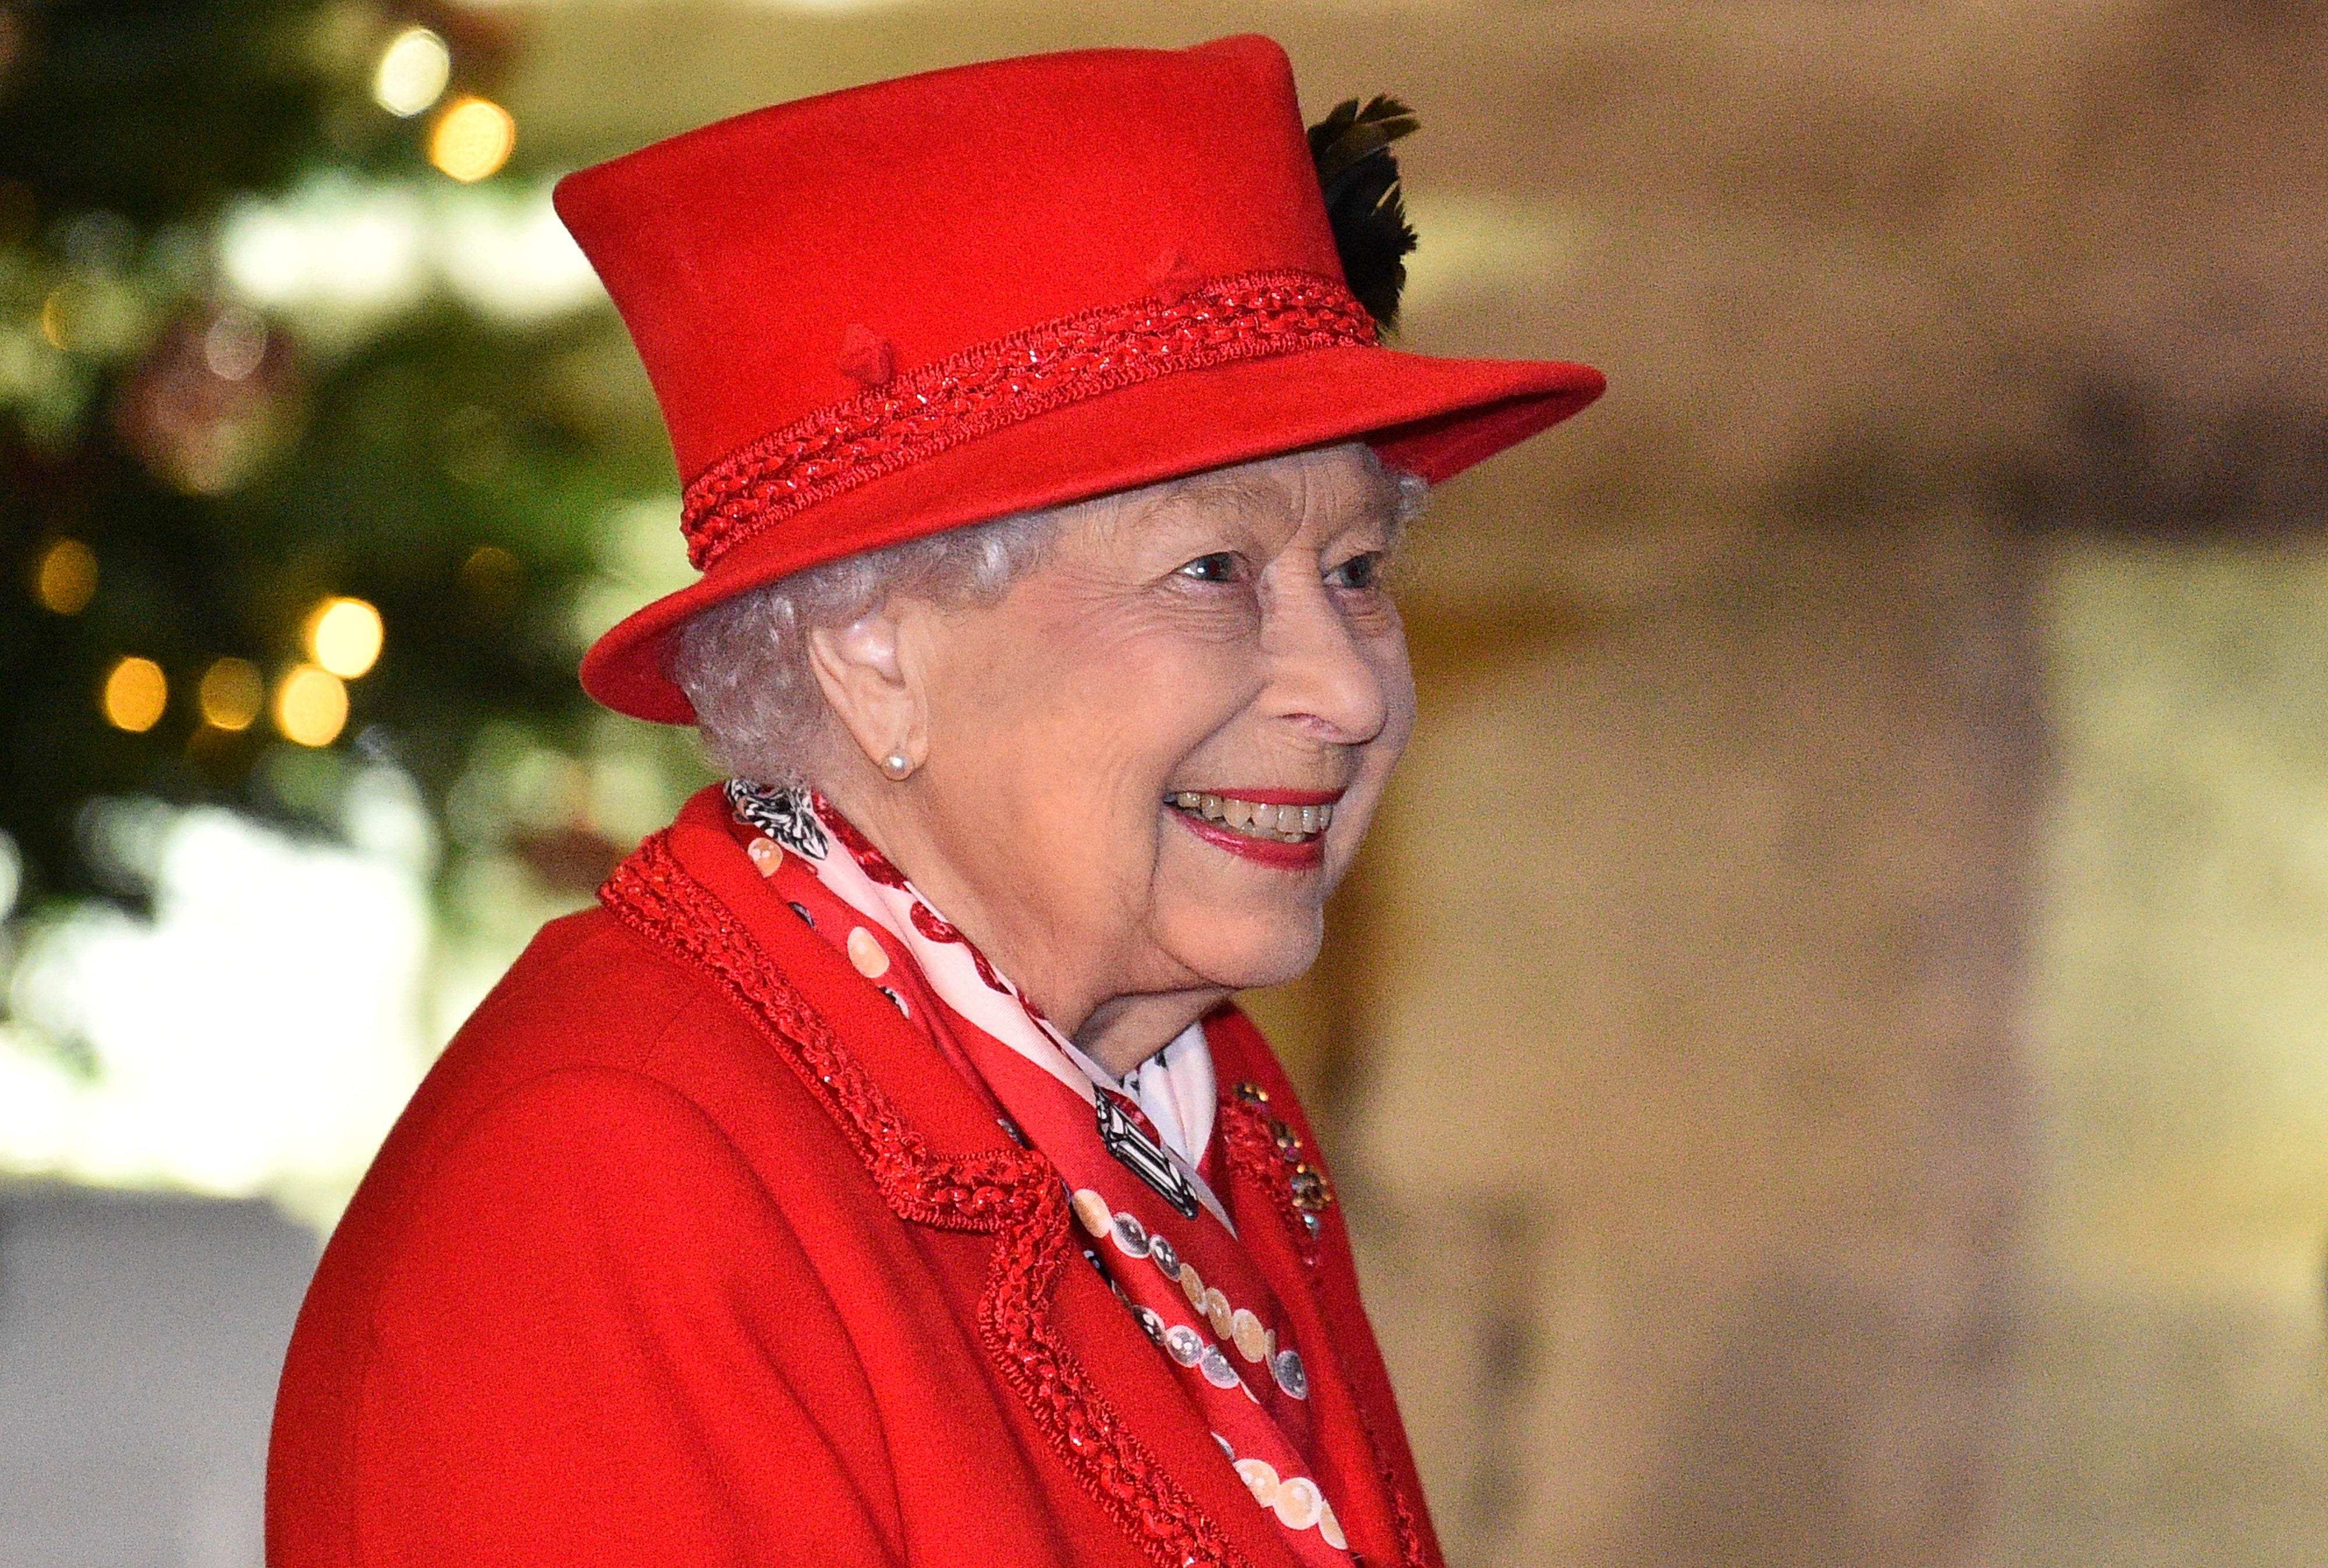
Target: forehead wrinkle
<point>1276,486</point>
<point>1378,496</point>
<point>1241,492</point>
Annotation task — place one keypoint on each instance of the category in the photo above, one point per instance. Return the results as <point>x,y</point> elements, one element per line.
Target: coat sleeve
<point>599,1341</point>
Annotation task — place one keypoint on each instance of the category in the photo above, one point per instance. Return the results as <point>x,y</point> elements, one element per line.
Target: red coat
<point>692,1251</point>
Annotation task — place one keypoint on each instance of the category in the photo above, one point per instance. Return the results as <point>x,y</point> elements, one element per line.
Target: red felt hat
<point>902,308</point>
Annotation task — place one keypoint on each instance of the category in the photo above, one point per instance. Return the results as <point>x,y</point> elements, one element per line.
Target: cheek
<point>1072,723</point>
<point>1138,695</point>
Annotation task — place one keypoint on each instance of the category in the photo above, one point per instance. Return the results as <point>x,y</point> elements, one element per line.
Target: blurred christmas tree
<point>306,468</point>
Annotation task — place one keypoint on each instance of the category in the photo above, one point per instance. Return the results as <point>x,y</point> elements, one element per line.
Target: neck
<point>1124,1032</point>
<point>1117,1029</point>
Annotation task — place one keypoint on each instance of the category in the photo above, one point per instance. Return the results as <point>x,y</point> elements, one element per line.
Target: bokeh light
<point>491,573</point>
<point>311,706</point>
<point>232,694</point>
<point>337,257</point>
<point>135,693</point>
<point>321,949</point>
<point>97,312</point>
<point>54,326</point>
<point>413,71</point>
<point>472,139</point>
<point>235,343</point>
<point>345,637</point>
<point>66,580</point>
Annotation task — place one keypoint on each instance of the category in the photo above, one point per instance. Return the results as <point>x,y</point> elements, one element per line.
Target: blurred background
<point>1827,1053</point>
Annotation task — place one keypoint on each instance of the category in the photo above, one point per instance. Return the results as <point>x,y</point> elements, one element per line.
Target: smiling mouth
<point>1264,821</point>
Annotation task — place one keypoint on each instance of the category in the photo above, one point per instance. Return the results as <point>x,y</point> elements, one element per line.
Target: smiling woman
<point>1253,666</point>
<point>885,1174</point>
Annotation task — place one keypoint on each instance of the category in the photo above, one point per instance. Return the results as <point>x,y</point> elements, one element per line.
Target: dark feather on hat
<point>1363,201</point>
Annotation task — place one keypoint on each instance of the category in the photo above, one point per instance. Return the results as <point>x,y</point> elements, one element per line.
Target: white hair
<point>744,663</point>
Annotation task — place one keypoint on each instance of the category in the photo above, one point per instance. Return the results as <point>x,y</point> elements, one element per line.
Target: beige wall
<point>1684,1122</point>
<point>2175,1393</point>
<point>1830,1066</point>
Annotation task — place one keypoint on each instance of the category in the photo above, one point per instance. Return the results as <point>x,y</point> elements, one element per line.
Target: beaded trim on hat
<point>993,385</point>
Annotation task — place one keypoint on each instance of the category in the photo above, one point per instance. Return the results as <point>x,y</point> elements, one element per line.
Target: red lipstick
<point>1306,856</point>
<point>1284,797</point>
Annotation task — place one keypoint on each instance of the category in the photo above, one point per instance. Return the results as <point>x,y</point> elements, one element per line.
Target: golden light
<point>311,706</point>
<point>490,572</point>
<point>472,139</point>
<point>345,637</point>
<point>232,694</point>
<point>54,329</point>
<point>135,693</point>
<point>66,580</point>
<point>413,71</point>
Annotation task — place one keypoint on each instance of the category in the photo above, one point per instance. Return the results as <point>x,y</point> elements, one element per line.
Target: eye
<point>1221,567</point>
<point>1361,573</point>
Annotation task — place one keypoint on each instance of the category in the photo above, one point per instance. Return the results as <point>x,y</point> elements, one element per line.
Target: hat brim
<point>1430,416</point>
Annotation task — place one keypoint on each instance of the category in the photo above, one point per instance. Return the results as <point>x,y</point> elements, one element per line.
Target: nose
<point>1327,676</point>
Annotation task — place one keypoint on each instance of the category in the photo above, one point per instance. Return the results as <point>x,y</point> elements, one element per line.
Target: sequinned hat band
<point>982,389</point>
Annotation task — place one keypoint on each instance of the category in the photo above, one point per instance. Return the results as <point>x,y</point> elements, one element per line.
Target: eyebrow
<point>1242,485</point>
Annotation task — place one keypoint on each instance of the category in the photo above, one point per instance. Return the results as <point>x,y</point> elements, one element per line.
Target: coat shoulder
<point>591,1002</point>
<point>585,992</point>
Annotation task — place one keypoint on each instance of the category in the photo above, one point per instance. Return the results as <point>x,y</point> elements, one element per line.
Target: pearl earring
<point>897,767</point>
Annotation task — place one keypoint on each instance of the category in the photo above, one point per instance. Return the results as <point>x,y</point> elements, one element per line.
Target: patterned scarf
<point>1155,1229</point>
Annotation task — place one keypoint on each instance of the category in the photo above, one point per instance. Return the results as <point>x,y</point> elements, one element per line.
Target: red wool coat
<point>690,1250</point>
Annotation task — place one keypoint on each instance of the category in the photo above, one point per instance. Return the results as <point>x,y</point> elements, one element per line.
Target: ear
<point>870,686</point>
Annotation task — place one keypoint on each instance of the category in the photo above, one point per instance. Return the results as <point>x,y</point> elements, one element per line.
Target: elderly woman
<point>883,1176</point>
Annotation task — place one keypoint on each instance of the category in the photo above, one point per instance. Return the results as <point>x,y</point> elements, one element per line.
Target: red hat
<point>887,312</point>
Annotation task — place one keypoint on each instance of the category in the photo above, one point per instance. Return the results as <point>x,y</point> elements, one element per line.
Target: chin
<point>1246,950</point>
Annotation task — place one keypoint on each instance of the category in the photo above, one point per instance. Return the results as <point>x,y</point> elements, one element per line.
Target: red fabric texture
<point>950,216</point>
<point>834,450</point>
<point>690,1249</point>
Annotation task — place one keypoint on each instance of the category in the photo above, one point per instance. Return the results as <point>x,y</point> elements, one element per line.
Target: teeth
<point>1290,823</point>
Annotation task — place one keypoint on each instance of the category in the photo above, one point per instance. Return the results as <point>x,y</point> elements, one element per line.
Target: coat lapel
<point>1362,1490</point>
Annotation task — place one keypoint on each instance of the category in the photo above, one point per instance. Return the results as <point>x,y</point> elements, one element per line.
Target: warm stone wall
<point>1832,1062</point>
<point>2174,1389</point>
<point>1682,1119</point>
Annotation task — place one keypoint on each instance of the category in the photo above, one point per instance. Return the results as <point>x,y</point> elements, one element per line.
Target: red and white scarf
<point>1134,1155</point>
